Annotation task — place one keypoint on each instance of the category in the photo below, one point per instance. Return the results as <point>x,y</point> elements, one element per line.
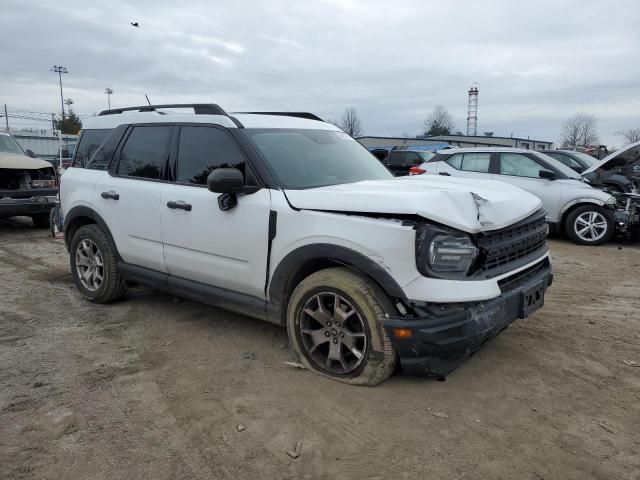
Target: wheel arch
<point>80,216</point>
<point>577,203</point>
<point>306,260</point>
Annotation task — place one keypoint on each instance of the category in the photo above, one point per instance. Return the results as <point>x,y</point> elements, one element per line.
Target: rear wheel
<point>334,322</point>
<point>589,225</point>
<point>94,265</point>
<point>40,220</point>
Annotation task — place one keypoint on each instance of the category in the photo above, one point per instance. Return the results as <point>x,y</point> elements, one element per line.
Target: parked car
<point>399,162</point>
<point>618,172</point>
<point>585,213</point>
<point>286,218</point>
<point>28,185</point>
<point>577,161</point>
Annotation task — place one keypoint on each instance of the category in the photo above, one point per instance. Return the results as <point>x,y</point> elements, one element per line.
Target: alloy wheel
<point>590,226</point>
<point>333,333</point>
<point>89,265</point>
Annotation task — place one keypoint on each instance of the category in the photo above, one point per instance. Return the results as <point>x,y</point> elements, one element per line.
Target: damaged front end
<point>27,191</point>
<point>627,210</point>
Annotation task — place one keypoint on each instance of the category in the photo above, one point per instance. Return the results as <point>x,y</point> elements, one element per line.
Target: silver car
<point>585,213</point>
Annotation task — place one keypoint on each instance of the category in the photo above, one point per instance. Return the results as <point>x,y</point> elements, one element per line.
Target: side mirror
<point>230,183</point>
<point>225,180</point>
<point>547,174</point>
<point>31,153</point>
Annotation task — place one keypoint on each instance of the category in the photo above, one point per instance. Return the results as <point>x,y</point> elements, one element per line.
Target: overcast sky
<point>535,62</point>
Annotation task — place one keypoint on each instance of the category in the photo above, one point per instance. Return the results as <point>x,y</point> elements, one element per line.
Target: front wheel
<point>334,321</point>
<point>589,225</point>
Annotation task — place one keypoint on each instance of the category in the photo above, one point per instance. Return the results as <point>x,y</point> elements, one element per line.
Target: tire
<point>356,328</point>
<point>40,220</point>
<point>92,239</point>
<point>580,217</point>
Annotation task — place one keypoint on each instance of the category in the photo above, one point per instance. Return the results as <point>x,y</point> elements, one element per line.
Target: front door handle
<point>444,174</point>
<point>110,195</point>
<point>179,205</point>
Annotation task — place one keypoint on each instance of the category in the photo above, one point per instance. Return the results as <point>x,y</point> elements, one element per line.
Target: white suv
<point>284,217</point>
<point>584,213</point>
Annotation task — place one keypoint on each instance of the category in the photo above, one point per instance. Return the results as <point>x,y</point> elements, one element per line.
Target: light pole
<point>59,69</point>
<point>108,91</point>
<point>68,102</point>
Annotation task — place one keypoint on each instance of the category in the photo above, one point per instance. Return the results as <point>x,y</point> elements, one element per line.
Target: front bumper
<point>41,202</point>
<point>444,335</point>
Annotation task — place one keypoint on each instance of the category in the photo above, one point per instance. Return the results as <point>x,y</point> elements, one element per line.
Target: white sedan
<point>585,213</point>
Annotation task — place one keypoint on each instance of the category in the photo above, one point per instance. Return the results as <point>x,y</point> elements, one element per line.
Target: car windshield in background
<point>316,158</point>
<point>588,160</point>
<point>426,156</point>
<point>558,165</point>
<point>9,145</point>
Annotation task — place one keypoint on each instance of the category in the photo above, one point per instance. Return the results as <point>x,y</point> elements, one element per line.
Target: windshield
<point>9,145</point>
<point>561,167</point>
<point>316,158</point>
<point>588,160</point>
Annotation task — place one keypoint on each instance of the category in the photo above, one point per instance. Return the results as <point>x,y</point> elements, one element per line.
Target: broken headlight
<point>442,253</point>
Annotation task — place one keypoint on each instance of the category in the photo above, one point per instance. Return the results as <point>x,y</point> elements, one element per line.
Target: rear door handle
<point>179,205</point>
<point>445,174</point>
<point>110,194</point>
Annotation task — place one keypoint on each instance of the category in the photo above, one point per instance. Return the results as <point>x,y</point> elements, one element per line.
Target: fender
<point>581,200</point>
<point>81,211</point>
<point>618,180</point>
<point>305,260</point>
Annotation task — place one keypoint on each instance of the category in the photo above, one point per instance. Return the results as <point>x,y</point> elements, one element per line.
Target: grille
<point>502,249</point>
<point>518,279</point>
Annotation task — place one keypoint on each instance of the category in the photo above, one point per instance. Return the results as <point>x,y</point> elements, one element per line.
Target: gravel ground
<point>158,388</point>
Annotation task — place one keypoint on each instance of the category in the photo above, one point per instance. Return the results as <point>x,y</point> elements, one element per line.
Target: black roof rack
<point>307,115</point>
<point>198,109</point>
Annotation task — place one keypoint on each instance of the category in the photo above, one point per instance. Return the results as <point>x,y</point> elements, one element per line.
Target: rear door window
<point>89,142</point>
<point>476,162</point>
<point>145,152</point>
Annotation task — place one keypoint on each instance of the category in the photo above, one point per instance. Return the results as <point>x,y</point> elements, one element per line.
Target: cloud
<point>536,64</point>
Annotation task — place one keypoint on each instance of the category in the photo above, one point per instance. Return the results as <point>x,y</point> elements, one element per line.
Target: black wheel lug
<point>335,340</point>
<point>327,333</point>
<point>337,324</point>
<point>328,324</point>
<point>342,334</point>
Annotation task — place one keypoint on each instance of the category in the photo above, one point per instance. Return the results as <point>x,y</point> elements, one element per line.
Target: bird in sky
<point>135,24</point>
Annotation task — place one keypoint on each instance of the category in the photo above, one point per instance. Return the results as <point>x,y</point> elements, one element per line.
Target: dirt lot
<point>155,387</point>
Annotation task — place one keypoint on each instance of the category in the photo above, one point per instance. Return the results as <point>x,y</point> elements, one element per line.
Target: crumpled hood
<point>468,205</point>
<point>13,160</point>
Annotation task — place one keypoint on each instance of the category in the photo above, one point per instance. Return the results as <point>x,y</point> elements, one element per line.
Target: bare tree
<point>631,135</point>
<point>439,122</point>
<point>351,122</point>
<point>580,131</point>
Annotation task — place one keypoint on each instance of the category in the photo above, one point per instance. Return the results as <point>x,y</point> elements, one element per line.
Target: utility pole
<point>108,91</point>
<point>6,117</point>
<point>59,69</point>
